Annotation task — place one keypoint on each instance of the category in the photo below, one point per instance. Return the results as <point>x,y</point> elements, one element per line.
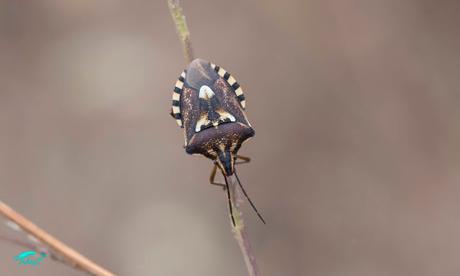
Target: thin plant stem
<point>36,247</point>
<point>239,230</point>
<point>68,254</point>
<point>182,29</point>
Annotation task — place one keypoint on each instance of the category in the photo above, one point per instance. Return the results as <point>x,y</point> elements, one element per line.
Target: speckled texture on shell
<point>200,73</point>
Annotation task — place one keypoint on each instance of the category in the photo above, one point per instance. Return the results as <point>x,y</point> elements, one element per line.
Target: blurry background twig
<point>182,29</point>
<point>238,229</point>
<point>57,250</point>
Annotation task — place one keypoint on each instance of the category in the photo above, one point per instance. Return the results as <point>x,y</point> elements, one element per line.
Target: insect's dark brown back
<point>210,107</point>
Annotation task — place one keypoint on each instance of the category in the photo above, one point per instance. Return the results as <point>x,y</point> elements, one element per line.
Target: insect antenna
<point>229,201</point>
<point>249,199</point>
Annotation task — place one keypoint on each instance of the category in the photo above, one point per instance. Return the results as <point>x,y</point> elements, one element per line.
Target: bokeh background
<point>355,159</point>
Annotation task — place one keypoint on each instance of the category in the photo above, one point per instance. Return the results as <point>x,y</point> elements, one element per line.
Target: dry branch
<point>182,29</point>
<point>68,255</point>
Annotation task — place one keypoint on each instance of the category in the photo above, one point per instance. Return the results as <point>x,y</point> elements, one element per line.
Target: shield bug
<point>209,105</point>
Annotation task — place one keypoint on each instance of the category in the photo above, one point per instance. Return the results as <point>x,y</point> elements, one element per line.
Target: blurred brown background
<point>355,106</point>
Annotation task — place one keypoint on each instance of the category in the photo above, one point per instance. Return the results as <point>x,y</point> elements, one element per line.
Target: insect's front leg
<point>244,159</point>
<point>212,178</point>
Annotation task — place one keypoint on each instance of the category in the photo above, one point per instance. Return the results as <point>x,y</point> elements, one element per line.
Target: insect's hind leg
<point>212,178</point>
<point>243,159</point>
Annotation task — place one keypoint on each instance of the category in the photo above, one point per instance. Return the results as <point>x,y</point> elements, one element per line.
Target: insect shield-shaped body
<point>209,104</point>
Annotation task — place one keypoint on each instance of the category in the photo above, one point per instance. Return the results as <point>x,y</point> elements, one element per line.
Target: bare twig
<point>69,255</point>
<point>38,247</point>
<point>182,29</point>
<point>238,229</point>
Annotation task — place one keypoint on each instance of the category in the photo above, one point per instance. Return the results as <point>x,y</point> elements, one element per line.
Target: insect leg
<point>212,178</point>
<point>243,158</point>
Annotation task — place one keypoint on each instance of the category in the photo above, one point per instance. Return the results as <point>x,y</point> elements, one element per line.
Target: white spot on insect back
<point>176,96</point>
<point>179,84</point>
<point>225,115</point>
<point>206,92</point>
<point>221,72</point>
<point>176,109</point>
<point>203,121</point>
<point>231,80</point>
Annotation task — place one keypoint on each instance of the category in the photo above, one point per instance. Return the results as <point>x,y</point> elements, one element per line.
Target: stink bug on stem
<point>209,105</point>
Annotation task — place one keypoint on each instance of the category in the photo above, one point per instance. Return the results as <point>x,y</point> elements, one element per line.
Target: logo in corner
<point>30,258</point>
